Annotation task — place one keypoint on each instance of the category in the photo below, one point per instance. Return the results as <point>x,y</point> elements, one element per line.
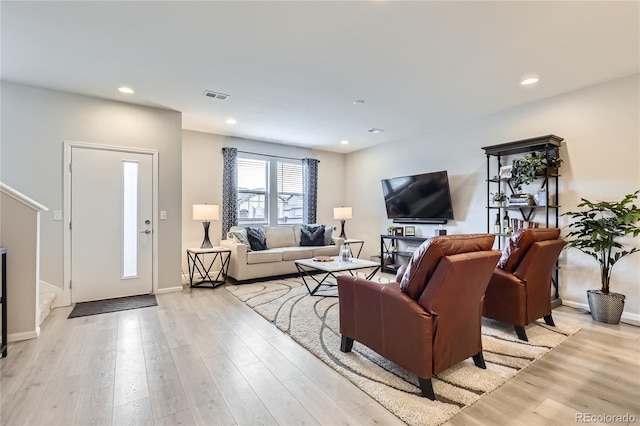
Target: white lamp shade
<point>206,212</point>
<point>342,213</point>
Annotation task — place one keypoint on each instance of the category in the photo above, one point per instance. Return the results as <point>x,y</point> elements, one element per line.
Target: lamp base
<point>342,234</point>
<point>206,243</point>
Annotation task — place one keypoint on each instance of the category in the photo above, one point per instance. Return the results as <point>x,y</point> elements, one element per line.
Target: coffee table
<point>307,268</point>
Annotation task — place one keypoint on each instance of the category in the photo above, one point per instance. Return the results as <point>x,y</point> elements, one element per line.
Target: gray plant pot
<point>605,307</point>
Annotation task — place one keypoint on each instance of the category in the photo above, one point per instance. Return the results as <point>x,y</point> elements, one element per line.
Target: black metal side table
<point>351,242</point>
<point>197,263</point>
<point>3,300</point>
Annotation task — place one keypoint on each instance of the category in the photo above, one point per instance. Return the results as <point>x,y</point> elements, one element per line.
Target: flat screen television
<point>423,198</point>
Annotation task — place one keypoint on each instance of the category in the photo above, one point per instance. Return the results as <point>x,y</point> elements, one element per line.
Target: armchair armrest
<point>505,297</point>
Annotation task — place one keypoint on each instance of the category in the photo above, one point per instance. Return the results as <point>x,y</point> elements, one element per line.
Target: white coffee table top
<point>337,265</point>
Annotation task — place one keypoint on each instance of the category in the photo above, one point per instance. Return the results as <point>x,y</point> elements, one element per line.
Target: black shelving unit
<point>3,300</point>
<point>395,251</point>
<point>546,213</point>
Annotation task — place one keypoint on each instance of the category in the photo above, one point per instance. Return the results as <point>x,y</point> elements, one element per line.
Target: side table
<point>350,241</point>
<point>196,262</point>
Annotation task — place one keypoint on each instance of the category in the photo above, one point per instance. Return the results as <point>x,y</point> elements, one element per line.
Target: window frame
<point>271,190</point>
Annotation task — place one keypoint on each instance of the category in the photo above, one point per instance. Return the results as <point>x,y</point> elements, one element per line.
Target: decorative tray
<point>323,259</point>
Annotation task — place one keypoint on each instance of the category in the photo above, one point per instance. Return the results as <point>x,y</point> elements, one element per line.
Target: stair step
<point>46,303</point>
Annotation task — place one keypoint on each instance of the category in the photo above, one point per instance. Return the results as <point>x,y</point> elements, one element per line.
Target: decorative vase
<point>499,203</point>
<point>605,308</point>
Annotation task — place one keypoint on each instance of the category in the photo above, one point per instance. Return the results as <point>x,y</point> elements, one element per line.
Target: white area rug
<point>313,322</point>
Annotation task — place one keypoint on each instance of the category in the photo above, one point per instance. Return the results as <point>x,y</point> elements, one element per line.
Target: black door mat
<point>96,307</point>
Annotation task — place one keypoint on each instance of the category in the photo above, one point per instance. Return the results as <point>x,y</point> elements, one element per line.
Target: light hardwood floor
<point>203,357</point>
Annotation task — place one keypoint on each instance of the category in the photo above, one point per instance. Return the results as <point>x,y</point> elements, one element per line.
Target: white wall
<point>36,122</point>
<point>19,229</point>
<point>601,155</point>
<point>202,180</point>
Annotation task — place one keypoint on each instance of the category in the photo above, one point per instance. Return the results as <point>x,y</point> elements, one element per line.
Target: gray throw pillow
<point>328,235</point>
<point>240,237</point>
<point>257,238</point>
<point>312,235</point>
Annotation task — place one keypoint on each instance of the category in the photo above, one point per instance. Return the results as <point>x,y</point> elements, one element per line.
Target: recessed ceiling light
<point>374,130</point>
<point>529,80</point>
<point>344,142</point>
<point>126,90</point>
<point>230,121</point>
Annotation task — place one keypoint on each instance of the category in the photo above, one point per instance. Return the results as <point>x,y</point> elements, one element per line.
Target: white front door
<point>111,224</point>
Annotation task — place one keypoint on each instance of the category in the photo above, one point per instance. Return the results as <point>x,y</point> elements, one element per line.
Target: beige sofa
<point>283,249</point>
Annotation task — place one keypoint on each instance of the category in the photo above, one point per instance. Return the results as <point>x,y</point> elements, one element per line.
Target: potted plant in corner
<point>498,198</point>
<point>525,169</point>
<point>595,232</point>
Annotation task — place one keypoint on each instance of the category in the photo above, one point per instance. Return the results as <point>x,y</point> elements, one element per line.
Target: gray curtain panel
<point>310,188</point>
<point>229,189</point>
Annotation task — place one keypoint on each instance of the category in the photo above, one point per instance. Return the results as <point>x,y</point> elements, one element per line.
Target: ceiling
<point>294,69</point>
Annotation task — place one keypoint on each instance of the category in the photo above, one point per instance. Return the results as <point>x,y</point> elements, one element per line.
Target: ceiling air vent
<point>374,130</point>
<point>216,95</point>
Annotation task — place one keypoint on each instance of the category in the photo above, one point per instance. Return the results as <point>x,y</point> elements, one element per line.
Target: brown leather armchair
<point>430,318</point>
<point>519,291</point>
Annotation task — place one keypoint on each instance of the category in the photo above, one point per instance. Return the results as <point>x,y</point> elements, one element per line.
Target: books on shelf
<point>521,200</point>
<point>517,224</point>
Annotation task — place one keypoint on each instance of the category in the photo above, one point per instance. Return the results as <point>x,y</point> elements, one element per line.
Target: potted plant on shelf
<point>390,230</point>
<point>595,232</point>
<point>525,169</point>
<point>498,198</point>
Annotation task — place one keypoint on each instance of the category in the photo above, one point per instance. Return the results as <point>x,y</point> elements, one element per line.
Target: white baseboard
<point>627,318</point>
<point>25,335</point>
<point>169,290</point>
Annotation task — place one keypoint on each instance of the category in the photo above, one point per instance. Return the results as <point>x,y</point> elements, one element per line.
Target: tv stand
<point>396,250</point>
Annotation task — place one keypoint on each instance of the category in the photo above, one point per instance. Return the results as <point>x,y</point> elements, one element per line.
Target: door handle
<point>146,231</point>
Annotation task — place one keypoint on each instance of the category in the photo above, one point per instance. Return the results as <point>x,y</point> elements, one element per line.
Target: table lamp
<point>206,213</point>
<point>342,214</point>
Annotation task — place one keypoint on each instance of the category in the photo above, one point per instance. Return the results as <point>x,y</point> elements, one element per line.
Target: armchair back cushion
<point>519,243</point>
<point>425,259</point>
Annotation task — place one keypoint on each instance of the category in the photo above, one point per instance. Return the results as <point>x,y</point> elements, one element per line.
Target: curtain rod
<point>273,156</point>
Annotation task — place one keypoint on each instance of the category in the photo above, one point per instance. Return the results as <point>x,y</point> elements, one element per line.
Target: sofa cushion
<point>518,244</point>
<point>312,235</point>
<point>239,236</point>
<point>280,236</point>
<point>264,256</point>
<point>257,238</point>
<point>295,253</point>
<point>326,251</point>
<point>426,258</point>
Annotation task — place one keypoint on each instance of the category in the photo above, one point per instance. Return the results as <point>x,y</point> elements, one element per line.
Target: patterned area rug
<point>96,307</point>
<point>313,322</point>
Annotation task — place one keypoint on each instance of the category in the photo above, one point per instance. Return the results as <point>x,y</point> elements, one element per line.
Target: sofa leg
<point>427,388</point>
<point>522,335</point>
<point>548,319</point>
<point>346,344</point>
<point>478,360</point>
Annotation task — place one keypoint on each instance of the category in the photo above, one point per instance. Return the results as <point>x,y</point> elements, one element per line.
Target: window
<point>253,179</point>
<point>290,196</point>
<point>130,219</point>
<point>269,191</point>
